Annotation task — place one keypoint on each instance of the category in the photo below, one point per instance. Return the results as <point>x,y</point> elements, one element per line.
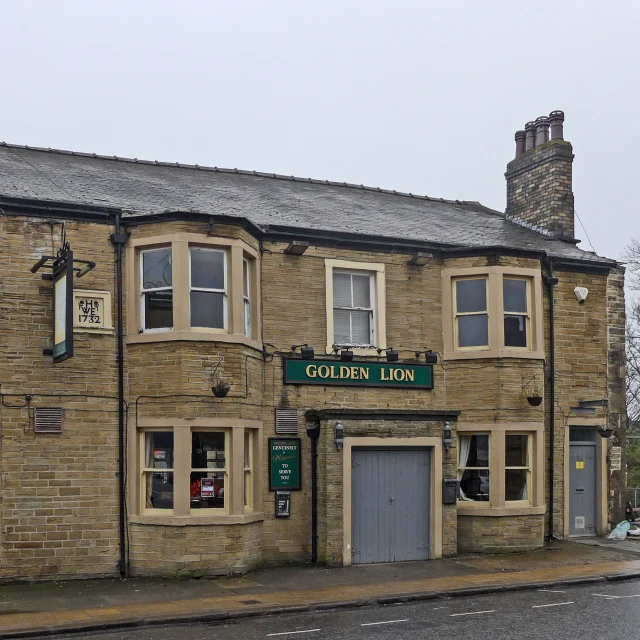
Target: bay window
<point>197,469</point>
<point>193,287</point>
<point>492,312</point>
<point>500,468</point>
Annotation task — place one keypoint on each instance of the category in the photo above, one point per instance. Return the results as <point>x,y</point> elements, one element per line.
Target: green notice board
<point>284,464</point>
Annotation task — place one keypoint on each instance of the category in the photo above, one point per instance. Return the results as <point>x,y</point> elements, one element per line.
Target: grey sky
<point>414,96</point>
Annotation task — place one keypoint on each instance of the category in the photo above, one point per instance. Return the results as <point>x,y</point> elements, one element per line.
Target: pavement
<point>48,608</point>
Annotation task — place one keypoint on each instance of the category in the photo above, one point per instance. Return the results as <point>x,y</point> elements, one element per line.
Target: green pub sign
<point>284,464</point>
<point>361,374</point>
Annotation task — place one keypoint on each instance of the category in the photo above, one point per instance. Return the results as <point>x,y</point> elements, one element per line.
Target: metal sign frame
<point>63,307</point>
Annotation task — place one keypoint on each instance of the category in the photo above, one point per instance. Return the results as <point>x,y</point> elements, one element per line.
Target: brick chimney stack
<point>539,190</point>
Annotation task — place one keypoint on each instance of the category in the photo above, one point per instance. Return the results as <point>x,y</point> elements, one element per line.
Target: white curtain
<point>465,447</point>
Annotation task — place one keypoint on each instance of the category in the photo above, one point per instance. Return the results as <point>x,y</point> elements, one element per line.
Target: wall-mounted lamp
<point>346,355</point>
<point>338,437</point>
<point>391,354</point>
<point>296,248</point>
<point>447,437</point>
<point>420,259</point>
<point>431,357</point>
<point>306,352</point>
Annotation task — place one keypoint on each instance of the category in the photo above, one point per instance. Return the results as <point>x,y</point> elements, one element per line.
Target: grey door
<point>582,482</point>
<point>390,505</point>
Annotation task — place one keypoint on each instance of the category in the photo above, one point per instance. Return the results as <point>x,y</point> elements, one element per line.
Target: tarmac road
<point>594,611</point>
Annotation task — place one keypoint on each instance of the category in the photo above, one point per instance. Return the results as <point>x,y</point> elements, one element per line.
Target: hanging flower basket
<point>534,401</point>
<point>220,388</point>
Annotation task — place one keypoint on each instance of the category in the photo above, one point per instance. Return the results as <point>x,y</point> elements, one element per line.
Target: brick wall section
<point>539,188</point>
<point>59,508</point>
<point>504,534</point>
<point>616,378</point>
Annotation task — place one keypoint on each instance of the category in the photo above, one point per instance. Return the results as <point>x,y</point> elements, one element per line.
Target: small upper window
<point>246,285</point>
<point>156,290</point>
<point>516,313</point>
<point>353,308</point>
<point>208,294</point>
<point>472,318</point>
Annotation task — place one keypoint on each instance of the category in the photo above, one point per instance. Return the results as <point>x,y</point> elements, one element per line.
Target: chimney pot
<point>556,118</point>
<point>542,130</point>
<point>530,131</point>
<point>520,142</point>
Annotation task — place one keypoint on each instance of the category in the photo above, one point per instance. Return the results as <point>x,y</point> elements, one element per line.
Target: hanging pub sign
<point>361,374</point>
<point>284,464</point>
<point>63,306</point>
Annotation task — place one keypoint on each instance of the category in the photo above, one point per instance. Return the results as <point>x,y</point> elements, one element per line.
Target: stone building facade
<point>449,405</point>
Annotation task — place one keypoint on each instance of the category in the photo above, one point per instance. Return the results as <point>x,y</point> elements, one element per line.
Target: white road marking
<point>551,591</point>
<point>371,624</point>
<point>471,613</point>
<point>288,633</point>
<point>612,597</point>
<point>555,604</point>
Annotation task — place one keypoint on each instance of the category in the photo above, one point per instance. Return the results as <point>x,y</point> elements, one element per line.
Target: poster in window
<point>207,488</point>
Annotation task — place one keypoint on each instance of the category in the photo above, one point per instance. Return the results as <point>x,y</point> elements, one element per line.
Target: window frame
<point>526,315</point>
<point>180,243</point>
<point>370,309</point>
<point>457,314</point>
<point>497,504</point>
<point>529,437</point>
<point>235,510</point>
<point>462,469</point>
<point>495,310</point>
<point>246,296</point>
<point>224,291</point>
<point>378,302</point>
<point>143,292</point>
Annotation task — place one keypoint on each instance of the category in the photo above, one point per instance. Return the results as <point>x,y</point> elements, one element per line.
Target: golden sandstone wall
<point>59,504</point>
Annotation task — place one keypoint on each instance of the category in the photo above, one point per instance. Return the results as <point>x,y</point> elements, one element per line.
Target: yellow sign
<point>579,464</point>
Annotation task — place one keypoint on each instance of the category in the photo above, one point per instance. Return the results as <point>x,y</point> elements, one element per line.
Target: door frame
<point>435,516</point>
<point>601,474</point>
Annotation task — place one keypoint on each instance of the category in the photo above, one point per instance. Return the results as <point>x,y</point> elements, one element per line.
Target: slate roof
<point>142,188</point>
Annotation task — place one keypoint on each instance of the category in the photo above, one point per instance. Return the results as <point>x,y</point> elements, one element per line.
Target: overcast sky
<point>419,96</point>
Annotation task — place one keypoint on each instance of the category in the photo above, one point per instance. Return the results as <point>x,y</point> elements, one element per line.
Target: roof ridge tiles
<point>245,172</point>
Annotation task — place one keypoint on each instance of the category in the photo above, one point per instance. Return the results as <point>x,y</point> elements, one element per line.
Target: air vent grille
<point>286,421</point>
<point>48,420</point>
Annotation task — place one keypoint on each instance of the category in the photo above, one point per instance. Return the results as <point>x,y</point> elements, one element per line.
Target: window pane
<point>474,485</point>
<point>341,289</point>
<point>478,452</point>
<point>207,309</point>
<point>158,310</point>
<point>360,327</point>
<point>158,490</point>
<point>341,326</point>
<point>582,435</point>
<point>515,295</point>
<point>206,490</point>
<point>158,449</point>
<point>247,319</point>
<point>247,449</point>
<point>207,450</point>
<point>156,268</point>
<point>515,331</point>
<point>515,484</point>
<point>473,331</point>
<point>471,295</point>
<point>245,278</point>
<point>361,291</point>
<point>207,269</point>
<point>516,454</point>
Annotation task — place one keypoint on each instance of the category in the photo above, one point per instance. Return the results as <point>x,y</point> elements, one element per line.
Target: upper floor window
<point>193,287</point>
<point>355,303</point>
<point>208,294</point>
<point>156,289</point>
<point>353,308</point>
<point>492,312</point>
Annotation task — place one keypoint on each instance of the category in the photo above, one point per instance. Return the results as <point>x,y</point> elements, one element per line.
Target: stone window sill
<point>195,521</point>
<point>527,510</point>
<point>192,336</point>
